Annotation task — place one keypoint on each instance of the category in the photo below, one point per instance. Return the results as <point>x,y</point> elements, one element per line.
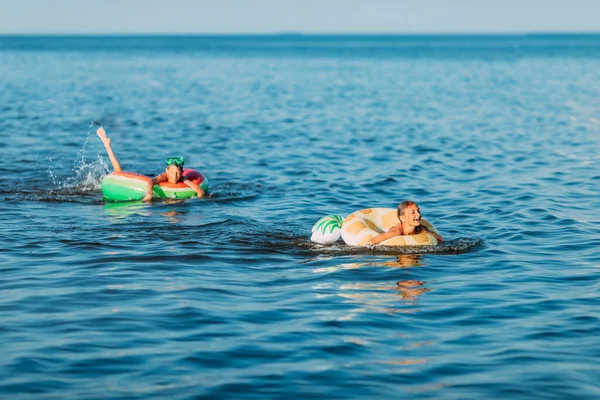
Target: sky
<point>296,16</point>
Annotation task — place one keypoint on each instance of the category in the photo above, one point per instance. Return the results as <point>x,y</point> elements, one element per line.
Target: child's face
<point>173,173</point>
<point>412,215</point>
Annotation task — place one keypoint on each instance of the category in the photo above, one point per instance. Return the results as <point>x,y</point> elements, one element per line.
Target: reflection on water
<point>400,261</point>
<point>174,216</point>
<point>390,300</point>
<point>121,210</point>
<point>383,297</point>
<point>411,289</point>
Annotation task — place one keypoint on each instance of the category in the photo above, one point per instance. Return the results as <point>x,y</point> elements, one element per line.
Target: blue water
<point>496,137</point>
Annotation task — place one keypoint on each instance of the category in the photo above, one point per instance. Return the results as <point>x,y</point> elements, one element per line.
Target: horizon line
<point>308,34</point>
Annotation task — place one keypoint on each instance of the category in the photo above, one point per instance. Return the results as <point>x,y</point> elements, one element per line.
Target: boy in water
<point>173,172</point>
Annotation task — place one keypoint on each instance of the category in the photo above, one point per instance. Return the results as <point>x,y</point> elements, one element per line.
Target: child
<point>409,215</point>
<point>172,174</point>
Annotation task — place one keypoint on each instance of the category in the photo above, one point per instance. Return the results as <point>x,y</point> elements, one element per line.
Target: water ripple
<point>226,297</point>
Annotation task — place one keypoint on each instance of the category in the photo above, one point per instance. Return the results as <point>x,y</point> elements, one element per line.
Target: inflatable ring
<point>360,226</point>
<point>127,186</point>
<point>327,230</point>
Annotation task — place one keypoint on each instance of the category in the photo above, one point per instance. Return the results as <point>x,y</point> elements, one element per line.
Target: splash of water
<point>86,175</point>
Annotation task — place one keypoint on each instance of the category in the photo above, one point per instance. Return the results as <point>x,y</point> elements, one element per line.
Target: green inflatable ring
<point>128,186</point>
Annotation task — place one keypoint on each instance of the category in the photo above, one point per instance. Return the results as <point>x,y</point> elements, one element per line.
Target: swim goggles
<point>175,160</point>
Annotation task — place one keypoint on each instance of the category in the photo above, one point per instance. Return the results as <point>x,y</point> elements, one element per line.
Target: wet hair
<point>402,207</point>
<point>178,166</point>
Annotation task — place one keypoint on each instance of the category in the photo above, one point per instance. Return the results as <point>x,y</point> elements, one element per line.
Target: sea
<point>495,137</point>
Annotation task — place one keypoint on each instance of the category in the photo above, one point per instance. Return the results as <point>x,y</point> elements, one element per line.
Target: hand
<point>102,135</point>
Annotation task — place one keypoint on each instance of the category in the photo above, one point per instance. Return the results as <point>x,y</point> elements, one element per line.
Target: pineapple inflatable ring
<point>360,226</point>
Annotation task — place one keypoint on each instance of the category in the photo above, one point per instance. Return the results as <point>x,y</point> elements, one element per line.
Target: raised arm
<point>113,159</point>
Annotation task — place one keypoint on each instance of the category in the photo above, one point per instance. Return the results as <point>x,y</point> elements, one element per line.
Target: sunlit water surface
<point>496,138</point>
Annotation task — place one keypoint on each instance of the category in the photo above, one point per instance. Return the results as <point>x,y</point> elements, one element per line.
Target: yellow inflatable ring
<point>360,226</point>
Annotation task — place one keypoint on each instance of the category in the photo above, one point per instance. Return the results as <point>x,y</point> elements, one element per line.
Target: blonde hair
<point>402,207</point>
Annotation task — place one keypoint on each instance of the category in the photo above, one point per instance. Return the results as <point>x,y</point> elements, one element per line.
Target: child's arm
<point>106,141</point>
<point>151,182</point>
<point>394,231</point>
<point>435,235</point>
<point>197,188</point>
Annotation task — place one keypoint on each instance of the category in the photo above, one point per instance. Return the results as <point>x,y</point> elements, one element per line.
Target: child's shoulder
<point>161,177</point>
<point>397,227</point>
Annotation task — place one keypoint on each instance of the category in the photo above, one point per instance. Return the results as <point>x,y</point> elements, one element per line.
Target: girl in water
<point>173,172</point>
<point>409,215</point>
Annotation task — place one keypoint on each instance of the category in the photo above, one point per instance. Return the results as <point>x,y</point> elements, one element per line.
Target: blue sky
<point>301,16</point>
